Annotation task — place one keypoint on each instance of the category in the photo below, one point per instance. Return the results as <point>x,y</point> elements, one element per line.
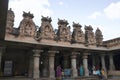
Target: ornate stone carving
<point>89,35</point>
<point>78,35</point>
<point>10,21</point>
<point>63,33</point>
<point>99,37</point>
<point>46,29</point>
<point>27,26</point>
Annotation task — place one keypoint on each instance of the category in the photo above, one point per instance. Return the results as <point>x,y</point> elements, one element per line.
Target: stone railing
<point>112,43</point>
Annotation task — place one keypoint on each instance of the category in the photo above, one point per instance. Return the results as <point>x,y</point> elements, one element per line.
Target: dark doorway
<point>59,60</point>
<point>117,61</point>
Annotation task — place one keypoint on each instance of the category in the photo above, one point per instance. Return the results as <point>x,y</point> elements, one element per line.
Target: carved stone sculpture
<point>89,35</point>
<point>46,29</point>
<point>63,33</point>
<point>99,37</point>
<point>77,35</point>
<point>27,26</point>
<point>10,21</point>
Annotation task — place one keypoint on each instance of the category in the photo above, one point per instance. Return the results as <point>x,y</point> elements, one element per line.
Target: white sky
<point>104,14</point>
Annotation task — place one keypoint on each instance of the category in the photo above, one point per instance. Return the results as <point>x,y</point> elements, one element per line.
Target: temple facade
<point>36,53</point>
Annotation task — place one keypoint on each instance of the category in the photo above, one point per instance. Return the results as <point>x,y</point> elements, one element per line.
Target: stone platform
<point>26,78</point>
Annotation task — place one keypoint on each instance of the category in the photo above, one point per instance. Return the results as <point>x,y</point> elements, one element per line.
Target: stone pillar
<point>85,64</point>
<point>73,64</point>
<point>30,72</point>
<point>103,61</point>
<point>112,66</point>
<point>1,52</point>
<point>51,64</point>
<point>36,72</point>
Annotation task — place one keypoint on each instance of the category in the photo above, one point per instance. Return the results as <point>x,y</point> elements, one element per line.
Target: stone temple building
<point>35,53</point>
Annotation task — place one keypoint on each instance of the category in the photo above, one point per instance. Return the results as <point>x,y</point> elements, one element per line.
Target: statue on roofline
<point>63,33</point>
<point>27,27</point>
<point>99,37</point>
<point>89,35</point>
<point>46,30</point>
<point>77,35</point>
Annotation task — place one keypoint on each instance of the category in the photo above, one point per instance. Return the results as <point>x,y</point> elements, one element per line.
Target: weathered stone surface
<point>77,35</point>
<point>45,30</point>
<point>114,73</point>
<point>99,37</point>
<point>63,33</point>
<point>10,21</point>
<point>89,35</point>
<point>27,32</point>
<point>113,43</point>
<point>27,26</point>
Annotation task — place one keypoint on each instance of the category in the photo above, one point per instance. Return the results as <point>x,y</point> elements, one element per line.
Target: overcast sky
<point>104,14</point>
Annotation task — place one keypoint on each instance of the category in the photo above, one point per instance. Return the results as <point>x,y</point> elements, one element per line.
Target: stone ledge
<point>113,73</point>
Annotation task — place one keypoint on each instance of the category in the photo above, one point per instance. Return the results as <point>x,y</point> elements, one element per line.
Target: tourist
<point>59,72</point>
<point>81,70</point>
<point>62,74</point>
<point>98,73</point>
<point>104,75</point>
<point>90,70</point>
<point>93,69</point>
<point>94,72</point>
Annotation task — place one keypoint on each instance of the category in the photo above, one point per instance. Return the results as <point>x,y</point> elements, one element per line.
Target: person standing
<point>59,72</point>
<point>81,71</point>
<point>104,75</point>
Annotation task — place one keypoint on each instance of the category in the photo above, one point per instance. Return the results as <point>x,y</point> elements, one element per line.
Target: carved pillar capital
<point>85,55</point>
<point>52,53</point>
<point>74,55</point>
<point>37,52</point>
